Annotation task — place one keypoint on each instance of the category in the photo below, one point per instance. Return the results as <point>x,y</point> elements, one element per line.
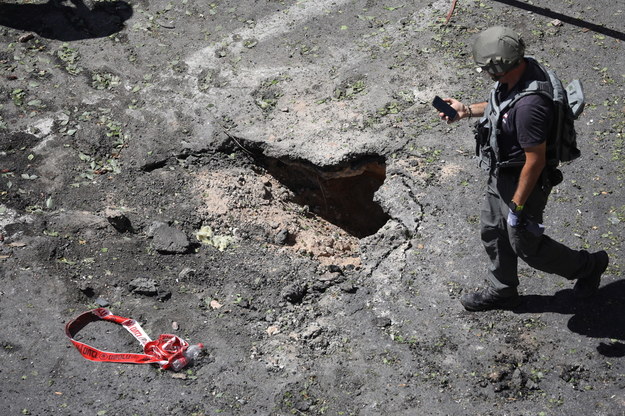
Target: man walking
<point>518,136</point>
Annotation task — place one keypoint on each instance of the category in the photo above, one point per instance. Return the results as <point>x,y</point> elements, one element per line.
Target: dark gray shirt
<point>528,122</point>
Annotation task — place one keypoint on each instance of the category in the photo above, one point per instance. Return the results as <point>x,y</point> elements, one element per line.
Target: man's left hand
<point>516,219</point>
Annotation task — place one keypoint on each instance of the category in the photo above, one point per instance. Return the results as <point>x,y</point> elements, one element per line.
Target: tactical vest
<point>488,129</point>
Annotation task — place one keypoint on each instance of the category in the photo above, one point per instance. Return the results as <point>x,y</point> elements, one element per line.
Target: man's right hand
<point>460,108</point>
<point>463,110</point>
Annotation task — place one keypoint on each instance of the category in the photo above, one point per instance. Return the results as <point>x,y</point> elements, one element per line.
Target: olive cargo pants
<point>505,244</point>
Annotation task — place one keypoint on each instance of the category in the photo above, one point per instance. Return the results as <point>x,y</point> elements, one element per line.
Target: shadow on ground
<point>584,24</point>
<point>54,20</point>
<point>602,316</point>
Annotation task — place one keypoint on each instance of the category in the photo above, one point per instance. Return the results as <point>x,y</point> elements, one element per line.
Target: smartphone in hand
<point>444,108</point>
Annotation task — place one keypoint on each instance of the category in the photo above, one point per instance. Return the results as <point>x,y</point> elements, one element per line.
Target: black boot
<point>488,298</point>
<point>587,286</point>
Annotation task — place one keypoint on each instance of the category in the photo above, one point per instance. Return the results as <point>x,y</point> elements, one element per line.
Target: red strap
<point>167,350</point>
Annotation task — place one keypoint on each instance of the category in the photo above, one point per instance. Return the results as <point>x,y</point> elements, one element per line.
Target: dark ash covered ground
<point>127,127</point>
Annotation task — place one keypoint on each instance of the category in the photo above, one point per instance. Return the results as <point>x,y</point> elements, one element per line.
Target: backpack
<point>568,105</point>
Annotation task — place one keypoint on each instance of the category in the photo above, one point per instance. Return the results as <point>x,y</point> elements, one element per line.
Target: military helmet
<point>498,50</point>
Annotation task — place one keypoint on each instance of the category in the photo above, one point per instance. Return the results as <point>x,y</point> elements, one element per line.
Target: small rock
<point>266,193</point>
<point>312,331</point>
<point>151,229</point>
<point>282,237</point>
<point>187,272</point>
<point>167,24</point>
<point>143,286</point>
<point>532,385</point>
<point>321,286</point>
<point>382,321</point>
<point>302,405</point>
<point>295,292</point>
<point>175,326</point>
<point>272,330</point>
<point>319,344</point>
<point>348,287</point>
<point>215,305</point>
<point>518,379</point>
<point>496,376</point>
<point>500,387</point>
<point>170,240</point>
<point>329,277</point>
<point>101,302</point>
<point>333,268</point>
<point>190,160</point>
<point>26,37</point>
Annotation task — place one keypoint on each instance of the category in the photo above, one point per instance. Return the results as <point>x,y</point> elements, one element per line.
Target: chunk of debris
<point>295,292</point>
<point>556,22</point>
<point>186,273</point>
<point>170,240</point>
<point>144,286</point>
<point>348,287</point>
<point>282,237</point>
<point>333,268</point>
<point>382,322</point>
<point>312,331</point>
<point>151,229</point>
<point>103,303</point>
<point>266,191</point>
<point>167,24</point>
<point>326,280</point>
<point>26,37</point>
<point>273,330</point>
<point>329,277</point>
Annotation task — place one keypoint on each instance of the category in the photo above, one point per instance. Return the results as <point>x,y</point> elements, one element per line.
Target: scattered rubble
<point>269,178</point>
